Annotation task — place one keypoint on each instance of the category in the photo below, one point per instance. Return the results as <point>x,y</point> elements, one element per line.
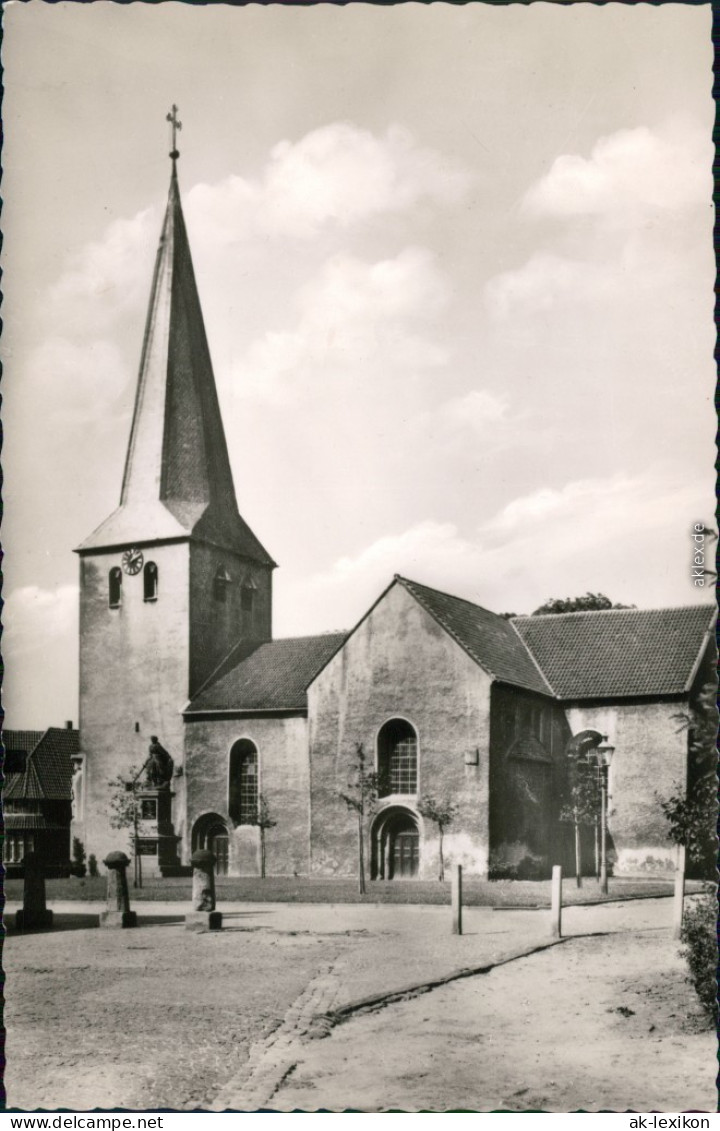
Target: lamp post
<point>603,755</point>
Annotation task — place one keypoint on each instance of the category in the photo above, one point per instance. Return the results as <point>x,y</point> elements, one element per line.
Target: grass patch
<point>280,889</point>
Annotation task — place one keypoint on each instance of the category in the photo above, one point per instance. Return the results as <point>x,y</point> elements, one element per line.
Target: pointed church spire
<point>177,476</point>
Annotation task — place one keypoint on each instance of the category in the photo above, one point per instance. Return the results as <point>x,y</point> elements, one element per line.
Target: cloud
<point>630,211</point>
<point>76,381</point>
<point>40,651</point>
<point>352,314</point>
<point>105,279</point>
<point>630,170</point>
<point>336,175</point>
<point>548,280</point>
<point>33,617</point>
<point>624,535</point>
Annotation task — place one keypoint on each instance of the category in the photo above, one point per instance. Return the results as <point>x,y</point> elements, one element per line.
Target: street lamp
<point>603,756</point>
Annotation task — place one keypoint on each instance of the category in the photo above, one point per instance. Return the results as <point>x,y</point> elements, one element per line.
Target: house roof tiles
<point>48,769</point>
<point>618,653</point>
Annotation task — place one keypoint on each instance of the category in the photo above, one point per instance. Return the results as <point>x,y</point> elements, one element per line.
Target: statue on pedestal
<point>159,765</point>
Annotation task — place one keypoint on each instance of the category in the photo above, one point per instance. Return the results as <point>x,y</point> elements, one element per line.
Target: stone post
<point>556,903</point>
<point>34,912</point>
<point>118,912</point>
<point>203,916</point>
<point>456,899</point>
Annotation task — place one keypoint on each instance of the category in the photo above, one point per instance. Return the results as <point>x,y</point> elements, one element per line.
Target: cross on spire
<point>175,125</point>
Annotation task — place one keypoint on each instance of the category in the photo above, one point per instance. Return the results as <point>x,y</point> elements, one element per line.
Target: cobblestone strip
<point>271,1059</point>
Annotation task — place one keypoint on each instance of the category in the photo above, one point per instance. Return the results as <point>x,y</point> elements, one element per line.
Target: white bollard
<point>457,899</point>
<point>679,896</point>
<point>556,902</point>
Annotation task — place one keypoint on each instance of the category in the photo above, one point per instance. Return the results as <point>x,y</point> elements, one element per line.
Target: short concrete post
<point>203,916</point>
<point>679,896</point>
<point>118,913</point>
<point>456,890</point>
<point>34,912</point>
<point>556,902</point>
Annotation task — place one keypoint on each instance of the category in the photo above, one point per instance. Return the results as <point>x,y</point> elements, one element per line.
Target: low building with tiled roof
<point>188,700</point>
<point>37,796</point>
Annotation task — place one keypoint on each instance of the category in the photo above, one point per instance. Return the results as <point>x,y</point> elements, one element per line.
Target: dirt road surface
<point>159,1017</point>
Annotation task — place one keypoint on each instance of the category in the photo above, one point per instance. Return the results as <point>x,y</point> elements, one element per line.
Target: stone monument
<point>34,912</point>
<point>203,916</point>
<point>118,912</point>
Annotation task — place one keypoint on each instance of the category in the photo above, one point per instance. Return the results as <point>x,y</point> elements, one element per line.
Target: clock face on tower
<point>132,561</point>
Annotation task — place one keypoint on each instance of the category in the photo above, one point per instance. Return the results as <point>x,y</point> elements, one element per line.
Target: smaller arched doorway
<point>395,845</point>
<point>210,831</point>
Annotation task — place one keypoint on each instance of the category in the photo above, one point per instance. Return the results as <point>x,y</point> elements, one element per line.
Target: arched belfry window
<point>247,595</point>
<point>115,587</point>
<point>150,582</point>
<point>397,758</point>
<point>243,785</point>
<point>221,583</point>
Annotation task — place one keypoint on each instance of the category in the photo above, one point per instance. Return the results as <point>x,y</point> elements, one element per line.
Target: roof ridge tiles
<point>594,612</point>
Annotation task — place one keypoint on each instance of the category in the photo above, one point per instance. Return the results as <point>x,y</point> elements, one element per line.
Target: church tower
<point>174,578</point>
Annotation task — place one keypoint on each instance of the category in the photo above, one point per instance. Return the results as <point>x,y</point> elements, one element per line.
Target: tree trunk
<point>262,853</point>
<point>578,852</point>
<point>361,855</point>
<point>441,877</point>
<point>597,852</point>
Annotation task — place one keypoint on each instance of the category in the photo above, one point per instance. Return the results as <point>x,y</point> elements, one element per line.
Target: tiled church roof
<point>619,652</point>
<point>274,676</point>
<point>490,639</point>
<point>48,769</point>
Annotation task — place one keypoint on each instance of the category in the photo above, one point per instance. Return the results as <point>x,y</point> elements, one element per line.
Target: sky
<point>456,269</point>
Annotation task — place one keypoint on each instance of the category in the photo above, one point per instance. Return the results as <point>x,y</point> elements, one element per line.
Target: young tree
<point>692,813</point>
<point>442,813</point>
<point>582,807</point>
<point>122,803</point>
<point>581,804</point>
<point>363,790</point>
<point>264,821</point>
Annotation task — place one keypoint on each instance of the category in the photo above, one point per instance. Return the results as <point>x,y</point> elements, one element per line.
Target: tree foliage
<point>122,804</point>
<point>361,796</point>
<point>699,934</point>
<point>263,818</point>
<point>590,602</point>
<point>122,800</point>
<point>442,812</point>
<point>692,813</point>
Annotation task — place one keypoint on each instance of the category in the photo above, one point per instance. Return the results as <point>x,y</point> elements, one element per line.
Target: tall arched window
<point>243,784</point>
<point>150,582</point>
<point>221,583</point>
<point>397,758</point>
<point>247,595</point>
<point>115,587</point>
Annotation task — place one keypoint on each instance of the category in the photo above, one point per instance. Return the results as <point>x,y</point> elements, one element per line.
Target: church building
<point>436,695</point>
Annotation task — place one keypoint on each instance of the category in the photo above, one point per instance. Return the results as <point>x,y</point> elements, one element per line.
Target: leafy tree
<point>77,868</point>
<point>122,804</point>
<point>264,821</point>
<point>442,813</point>
<point>582,805</point>
<point>362,794</point>
<point>692,813</point>
<point>584,604</point>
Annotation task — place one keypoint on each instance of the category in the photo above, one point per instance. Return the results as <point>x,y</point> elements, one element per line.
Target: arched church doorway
<point>395,845</point>
<point>211,832</point>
